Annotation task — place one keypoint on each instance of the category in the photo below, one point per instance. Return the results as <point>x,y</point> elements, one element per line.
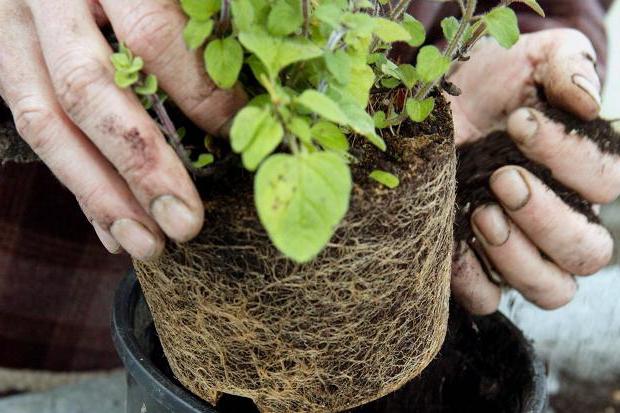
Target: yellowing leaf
<point>300,200</point>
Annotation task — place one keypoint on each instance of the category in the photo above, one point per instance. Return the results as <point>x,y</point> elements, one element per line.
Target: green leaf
<point>181,132</point>
<point>124,80</point>
<point>277,53</point>
<point>149,87</point>
<point>362,123</point>
<point>533,4</point>
<point>358,87</point>
<point>329,136</point>
<point>196,32</point>
<point>418,110</point>
<point>329,14</point>
<point>200,9</point>
<point>203,160</point>
<point>415,29</point>
<point>245,127</point>
<point>255,133</point>
<point>380,119</point>
<point>322,105</point>
<point>300,200</point>
<point>339,65</point>
<point>503,25</point>
<point>385,178</point>
<point>431,64</point>
<point>408,75</point>
<point>223,59</point>
<point>242,14</point>
<point>390,82</point>
<point>390,31</point>
<point>449,25</point>
<point>361,24</point>
<point>300,127</point>
<point>285,17</point>
<point>120,61</point>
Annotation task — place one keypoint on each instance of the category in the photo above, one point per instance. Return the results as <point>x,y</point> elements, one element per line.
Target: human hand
<point>500,91</point>
<point>57,79</point>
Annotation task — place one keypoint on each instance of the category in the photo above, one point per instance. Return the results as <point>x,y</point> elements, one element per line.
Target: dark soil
<point>478,161</point>
<point>482,367</point>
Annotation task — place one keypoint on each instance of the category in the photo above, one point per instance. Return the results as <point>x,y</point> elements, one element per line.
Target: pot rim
<point>138,364</point>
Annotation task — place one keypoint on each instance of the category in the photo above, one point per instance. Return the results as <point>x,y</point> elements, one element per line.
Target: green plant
<point>310,67</point>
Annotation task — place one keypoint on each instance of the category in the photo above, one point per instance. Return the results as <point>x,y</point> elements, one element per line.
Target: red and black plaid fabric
<point>57,282</point>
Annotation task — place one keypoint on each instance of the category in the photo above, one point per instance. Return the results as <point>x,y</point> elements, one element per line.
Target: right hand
<point>57,79</point>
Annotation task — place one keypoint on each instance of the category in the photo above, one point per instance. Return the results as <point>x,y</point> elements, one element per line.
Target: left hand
<point>500,92</point>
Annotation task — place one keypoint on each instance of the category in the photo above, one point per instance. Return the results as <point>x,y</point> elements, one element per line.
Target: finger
<point>596,175</point>
<point>564,64</point>
<point>519,261</point>
<point>574,243</point>
<point>470,285</point>
<point>101,192</point>
<point>153,30</point>
<point>114,120</point>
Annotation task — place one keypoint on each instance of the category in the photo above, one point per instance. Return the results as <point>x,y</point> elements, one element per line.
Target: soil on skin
<point>480,368</point>
<point>477,162</point>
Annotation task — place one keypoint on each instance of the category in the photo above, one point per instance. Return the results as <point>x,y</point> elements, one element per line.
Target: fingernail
<point>511,188</point>
<point>489,222</point>
<point>135,239</point>
<point>587,86</point>
<point>175,218</point>
<point>523,125</point>
<point>109,243</point>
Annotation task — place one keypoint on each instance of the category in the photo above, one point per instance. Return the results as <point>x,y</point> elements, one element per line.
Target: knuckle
<point>78,79</point>
<point>148,30</point>
<point>592,261</point>
<point>32,121</point>
<point>92,199</point>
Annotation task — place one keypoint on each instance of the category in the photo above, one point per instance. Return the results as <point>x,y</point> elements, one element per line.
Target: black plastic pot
<point>485,365</point>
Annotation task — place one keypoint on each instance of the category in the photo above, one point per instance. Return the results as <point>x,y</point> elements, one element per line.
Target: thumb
<point>564,65</point>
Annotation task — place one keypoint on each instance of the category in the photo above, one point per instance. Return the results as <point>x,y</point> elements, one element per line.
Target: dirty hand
<point>531,237</point>
<point>57,79</point>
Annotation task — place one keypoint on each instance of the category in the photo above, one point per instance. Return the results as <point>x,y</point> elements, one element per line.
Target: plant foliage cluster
<point>310,67</point>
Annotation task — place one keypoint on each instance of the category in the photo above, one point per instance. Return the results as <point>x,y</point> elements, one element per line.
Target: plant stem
<point>305,8</point>
<point>224,16</point>
<point>174,140</point>
<point>452,47</point>
<point>399,9</point>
